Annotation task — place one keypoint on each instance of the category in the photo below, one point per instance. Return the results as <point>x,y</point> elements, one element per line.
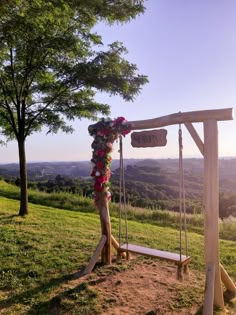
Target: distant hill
<point>150,183</point>
<point>164,171</point>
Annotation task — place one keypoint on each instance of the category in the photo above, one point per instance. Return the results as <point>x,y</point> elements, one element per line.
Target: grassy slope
<point>74,202</point>
<point>40,252</point>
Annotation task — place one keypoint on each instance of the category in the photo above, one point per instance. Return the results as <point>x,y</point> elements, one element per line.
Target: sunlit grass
<point>61,200</point>
<point>73,202</point>
<point>38,254</point>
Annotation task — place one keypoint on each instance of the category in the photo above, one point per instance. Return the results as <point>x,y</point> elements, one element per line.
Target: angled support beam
<point>228,282</point>
<point>96,254</point>
<point>195,137</point>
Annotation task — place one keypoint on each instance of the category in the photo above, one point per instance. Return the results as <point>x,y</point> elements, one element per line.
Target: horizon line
<point>78,161</point>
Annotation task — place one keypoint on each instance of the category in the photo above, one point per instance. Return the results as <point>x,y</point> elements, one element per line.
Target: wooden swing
<point>215,272</point>
<point>178,258</point>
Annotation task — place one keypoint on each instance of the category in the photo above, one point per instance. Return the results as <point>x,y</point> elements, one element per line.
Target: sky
<point>187,48</point>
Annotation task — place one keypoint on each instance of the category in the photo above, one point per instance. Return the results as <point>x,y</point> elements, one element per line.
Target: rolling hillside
<point>150,183</point>
<point>192,167</point>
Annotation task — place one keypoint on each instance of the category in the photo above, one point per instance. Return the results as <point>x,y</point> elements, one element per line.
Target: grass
<point>40,253</point>
<point>61,200</point>
<point>73,202</point>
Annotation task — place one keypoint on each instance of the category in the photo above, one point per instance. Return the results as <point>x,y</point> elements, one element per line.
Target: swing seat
<point>173,257</point>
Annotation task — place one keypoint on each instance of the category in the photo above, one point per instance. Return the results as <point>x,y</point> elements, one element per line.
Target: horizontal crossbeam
<point>181,118</point>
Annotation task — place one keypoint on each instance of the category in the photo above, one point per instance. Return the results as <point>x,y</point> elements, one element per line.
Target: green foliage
<point>227,205</point>
<point>155,188</point>
<point>51,67</point>
<point>74,202</point>
<point>61,200</point>
<point>39,254</point>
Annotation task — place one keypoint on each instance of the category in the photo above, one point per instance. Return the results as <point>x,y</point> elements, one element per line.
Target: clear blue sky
<point>187,48</point>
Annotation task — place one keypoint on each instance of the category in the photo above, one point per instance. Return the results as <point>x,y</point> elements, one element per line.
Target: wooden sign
<point>150,138</point>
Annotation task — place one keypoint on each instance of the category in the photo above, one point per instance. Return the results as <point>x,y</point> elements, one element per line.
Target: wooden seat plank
<point>174,257</point>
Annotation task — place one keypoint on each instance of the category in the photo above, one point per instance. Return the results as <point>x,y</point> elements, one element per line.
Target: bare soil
<point>149,287</point>
<point>145,286</point>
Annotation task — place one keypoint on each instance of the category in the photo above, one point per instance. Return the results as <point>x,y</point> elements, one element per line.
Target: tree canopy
<point>52,64</point>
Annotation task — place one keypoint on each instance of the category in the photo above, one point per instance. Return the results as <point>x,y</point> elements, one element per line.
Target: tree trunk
<point>23,178</point>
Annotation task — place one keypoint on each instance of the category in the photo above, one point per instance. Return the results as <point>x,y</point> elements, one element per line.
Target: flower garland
<point>105,132</point>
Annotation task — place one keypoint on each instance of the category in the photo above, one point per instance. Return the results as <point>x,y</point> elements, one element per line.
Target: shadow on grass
<point>27,296</point>
<point>7,219</point>
<point>80,300</point>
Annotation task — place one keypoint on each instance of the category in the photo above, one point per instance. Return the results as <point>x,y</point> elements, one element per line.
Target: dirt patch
<point>142,286</point>
<point>149,287</point>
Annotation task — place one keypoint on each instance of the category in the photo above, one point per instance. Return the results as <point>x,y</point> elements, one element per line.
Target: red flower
<point>98,187</point>
<point>93,173</point>
<point>118,120</point>
<point>101,179</point>
<point>125,132</point>
<point>100,164</point>
<point>106,131</point>
<point>100,153</point>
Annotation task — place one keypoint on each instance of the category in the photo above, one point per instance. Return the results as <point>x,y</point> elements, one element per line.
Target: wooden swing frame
<point>215,272</point>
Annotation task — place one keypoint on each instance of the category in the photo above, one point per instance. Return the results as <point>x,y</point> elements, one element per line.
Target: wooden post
<point>209,290</point>
<point>211,200</point>
<point>103,207</point>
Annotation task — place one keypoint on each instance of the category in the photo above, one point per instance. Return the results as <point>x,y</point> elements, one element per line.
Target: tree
<point>51,66</point>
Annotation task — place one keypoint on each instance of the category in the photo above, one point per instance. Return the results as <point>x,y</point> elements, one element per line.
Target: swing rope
<point>122,193</point>
<point>182,201</point>
<point>180,259</point>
